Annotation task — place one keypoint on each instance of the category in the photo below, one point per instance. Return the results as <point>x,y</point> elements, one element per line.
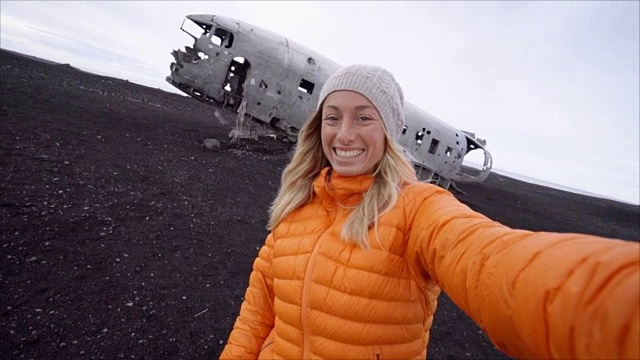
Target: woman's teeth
<point>348,154</point>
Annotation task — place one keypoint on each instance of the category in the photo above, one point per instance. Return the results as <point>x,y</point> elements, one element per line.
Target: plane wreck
<point>275,83</point>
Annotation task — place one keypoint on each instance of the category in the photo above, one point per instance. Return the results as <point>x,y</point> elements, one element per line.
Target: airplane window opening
<point>234,83</point>
<point>222,37</point>
<point>428,131</point>
<point>419,136</point>
<point>310,61</point>
<point>434,146</point>
<point>448,151</point>
<point>306,86</point>
<point>404,129</point>
<point>194,29</point>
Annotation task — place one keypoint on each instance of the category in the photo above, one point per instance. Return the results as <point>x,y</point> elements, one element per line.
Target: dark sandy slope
<point>122,237</point>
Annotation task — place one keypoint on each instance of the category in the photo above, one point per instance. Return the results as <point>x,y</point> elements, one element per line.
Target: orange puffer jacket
<point>312,295</point>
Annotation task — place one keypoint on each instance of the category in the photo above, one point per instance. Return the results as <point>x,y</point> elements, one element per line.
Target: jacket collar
<point>334,188</point>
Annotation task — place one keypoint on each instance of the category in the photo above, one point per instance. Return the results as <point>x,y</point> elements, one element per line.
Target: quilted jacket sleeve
<point>536,294</point>
<point>257,316</point>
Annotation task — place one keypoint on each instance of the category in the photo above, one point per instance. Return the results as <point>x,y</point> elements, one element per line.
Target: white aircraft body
<point>276,83</point>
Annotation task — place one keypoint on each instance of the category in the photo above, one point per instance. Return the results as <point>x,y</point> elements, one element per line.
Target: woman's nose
<point>346,132</point>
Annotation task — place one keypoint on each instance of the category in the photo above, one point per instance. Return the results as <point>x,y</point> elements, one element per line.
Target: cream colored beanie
<point>376,84</point>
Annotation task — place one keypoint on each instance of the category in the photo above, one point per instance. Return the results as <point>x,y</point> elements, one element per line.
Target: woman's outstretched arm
<point>536,294</point>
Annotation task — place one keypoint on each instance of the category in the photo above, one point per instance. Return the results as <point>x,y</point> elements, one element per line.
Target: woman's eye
<point>331,118</point>
<point>364,118</point>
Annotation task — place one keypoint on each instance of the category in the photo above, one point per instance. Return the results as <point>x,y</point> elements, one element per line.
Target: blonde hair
<point>393,171</point>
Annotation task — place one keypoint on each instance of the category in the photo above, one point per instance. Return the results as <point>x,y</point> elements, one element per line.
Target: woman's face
<point>352,133</point>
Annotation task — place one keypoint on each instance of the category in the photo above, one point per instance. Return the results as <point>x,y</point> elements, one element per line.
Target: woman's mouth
<point>348,153</point>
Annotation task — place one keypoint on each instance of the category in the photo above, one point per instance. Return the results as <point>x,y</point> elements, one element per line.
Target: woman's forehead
<point>343,98</point>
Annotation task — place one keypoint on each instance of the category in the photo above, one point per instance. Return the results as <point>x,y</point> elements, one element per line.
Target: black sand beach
<point>123,237</point>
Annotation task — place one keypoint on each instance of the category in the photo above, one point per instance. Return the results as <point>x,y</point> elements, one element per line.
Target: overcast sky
<point>552,86</point>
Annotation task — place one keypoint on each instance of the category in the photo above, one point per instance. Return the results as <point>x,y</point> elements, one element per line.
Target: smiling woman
<point>359,252</point>
<point>353,136</point>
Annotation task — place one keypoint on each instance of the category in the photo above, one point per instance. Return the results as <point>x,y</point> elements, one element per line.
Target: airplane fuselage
<point>277,83</point>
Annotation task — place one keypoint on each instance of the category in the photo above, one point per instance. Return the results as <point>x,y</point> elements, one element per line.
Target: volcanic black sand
<point>123,237</point>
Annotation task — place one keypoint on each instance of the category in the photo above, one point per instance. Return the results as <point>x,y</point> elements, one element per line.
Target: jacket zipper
<point>305,286</point>
<point>305,297</point>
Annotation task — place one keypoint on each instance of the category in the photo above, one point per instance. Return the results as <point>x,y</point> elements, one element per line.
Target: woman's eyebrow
<point>357,107</point>
<point>361,107</point>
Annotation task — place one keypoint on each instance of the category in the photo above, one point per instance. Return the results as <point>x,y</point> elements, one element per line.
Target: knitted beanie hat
<point>376,84</point>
